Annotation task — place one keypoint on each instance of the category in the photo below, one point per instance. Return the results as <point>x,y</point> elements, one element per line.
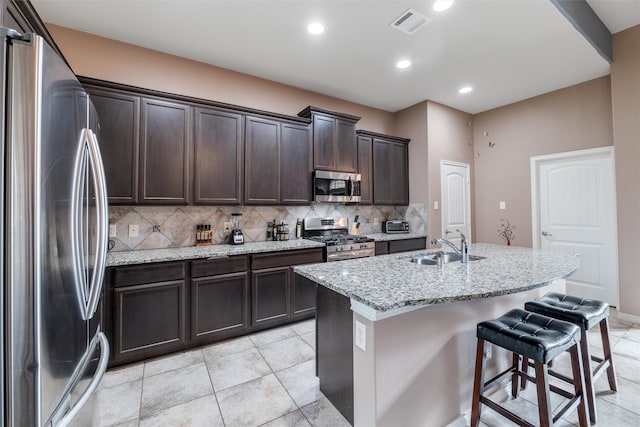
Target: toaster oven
<point>395,226</point>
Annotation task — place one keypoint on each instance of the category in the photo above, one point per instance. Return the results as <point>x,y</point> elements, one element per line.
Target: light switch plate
<point>361,336</point>
<point>133,230</point>
<point>375,221</point>
<point>113,230</point>
<point>436,205</point>
<point>503,205</point>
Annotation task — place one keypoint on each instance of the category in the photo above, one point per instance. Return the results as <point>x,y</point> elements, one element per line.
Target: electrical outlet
<point>375,221</point>
<point>113,230</point>
<point>133,230</point>
<point>361,336</point>
<point>227,227</point>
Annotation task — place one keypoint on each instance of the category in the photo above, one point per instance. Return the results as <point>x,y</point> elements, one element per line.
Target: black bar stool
<point>584,313</point>
<point>540,339</point>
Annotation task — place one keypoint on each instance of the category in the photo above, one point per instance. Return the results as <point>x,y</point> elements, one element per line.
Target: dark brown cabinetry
<point>365,168</point>
<point>218,157</point>
<point>165,152</point>
<point>401,245</point>
<point>278,295</point>
<point>118,137</point>
<point>149,310</point>
<point>390,170</point>
<point>219,298</point>
<point>262,161</point>
<point>334,139</point>
<point>382,248</point>
<point>296,154</point>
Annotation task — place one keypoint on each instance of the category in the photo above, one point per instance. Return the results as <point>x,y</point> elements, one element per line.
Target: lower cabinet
<point>278,295</point>
<point>407,245</point>
<point>270,296</point>
<point>150,319</point>
<point>160,308</point>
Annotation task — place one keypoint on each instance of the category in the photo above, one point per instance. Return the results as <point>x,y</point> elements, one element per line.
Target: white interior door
<point>574,211</point>
<point>456,200</point>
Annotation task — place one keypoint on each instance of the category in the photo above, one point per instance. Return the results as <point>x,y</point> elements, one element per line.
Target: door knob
<point>545,234</point>
<point>447,232</point>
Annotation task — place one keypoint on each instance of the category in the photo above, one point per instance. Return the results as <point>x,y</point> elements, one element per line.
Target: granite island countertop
<point>387,285</point>
<point>178,254</point>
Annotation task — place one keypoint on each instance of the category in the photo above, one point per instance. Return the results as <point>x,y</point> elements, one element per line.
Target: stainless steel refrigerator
<point>54,225</point>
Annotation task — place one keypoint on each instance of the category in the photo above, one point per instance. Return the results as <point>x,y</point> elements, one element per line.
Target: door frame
<point>536,161</point>
<point>467,166</point>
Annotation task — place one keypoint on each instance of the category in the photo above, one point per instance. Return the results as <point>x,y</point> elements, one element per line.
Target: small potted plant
<point>506,231</point>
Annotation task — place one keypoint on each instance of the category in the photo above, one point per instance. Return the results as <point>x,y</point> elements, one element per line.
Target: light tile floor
<point>268,379</point>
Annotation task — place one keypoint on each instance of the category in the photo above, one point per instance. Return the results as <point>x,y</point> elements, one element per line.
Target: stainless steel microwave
<point>338,187</point>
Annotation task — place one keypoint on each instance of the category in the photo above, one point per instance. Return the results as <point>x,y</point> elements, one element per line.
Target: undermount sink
<point>431,259</point>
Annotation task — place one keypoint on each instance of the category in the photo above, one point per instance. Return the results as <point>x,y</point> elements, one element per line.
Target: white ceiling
<point>508,50</point>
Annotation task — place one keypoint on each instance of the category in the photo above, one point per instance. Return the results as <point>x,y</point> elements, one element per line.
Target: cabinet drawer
<point>223,265</point>
<point>282,259</point>
<point>406,245</point>
<point>148,273</point>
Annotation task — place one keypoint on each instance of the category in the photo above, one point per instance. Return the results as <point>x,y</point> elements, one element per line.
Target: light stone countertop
<point>146,256</point>
<point>383,237</point>
<point>193,252</point>
<point>392,284</point>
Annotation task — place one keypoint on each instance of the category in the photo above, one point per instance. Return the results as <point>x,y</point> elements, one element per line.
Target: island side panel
<point>334,349</point>
<point>419,367</point>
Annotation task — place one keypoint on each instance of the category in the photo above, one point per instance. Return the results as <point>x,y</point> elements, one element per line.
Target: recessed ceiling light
<point>441,5</point>
<point>405,63</point>
<point>465,89</point>
<point>315,28</point>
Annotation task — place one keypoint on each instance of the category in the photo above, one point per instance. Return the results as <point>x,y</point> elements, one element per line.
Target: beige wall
<point>625,91</point>
<point>105,59</point>
<point>574,118</point>
<point>450,138</point>
<point>412,123</point>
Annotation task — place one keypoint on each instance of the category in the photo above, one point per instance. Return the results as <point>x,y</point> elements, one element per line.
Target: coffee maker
<point>236,237</point>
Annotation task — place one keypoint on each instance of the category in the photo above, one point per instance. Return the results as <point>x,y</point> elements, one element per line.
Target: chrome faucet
<point>464,246</point>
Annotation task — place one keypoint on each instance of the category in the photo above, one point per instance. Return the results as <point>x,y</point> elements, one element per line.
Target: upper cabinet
<point>390,168</point>
<point>118,137</point>
<point>165,152</point>
<point>334,139</point>
<point>296,154</point>
<point>277,162</point>
<point>262,161</point>
<point>218,157</point>
<point>365,168</point>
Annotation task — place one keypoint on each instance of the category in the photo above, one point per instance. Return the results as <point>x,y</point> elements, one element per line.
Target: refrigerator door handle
<point>100,370</point>
<point>102,223</point>
<point>89,288</point>
<point>77,244</point>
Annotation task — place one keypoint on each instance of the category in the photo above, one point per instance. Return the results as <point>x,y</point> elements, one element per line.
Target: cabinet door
<point>323,142</point>
<point>149,320</point>
<point>295,165</point>
<point>219,306</point>
<point>270,295</point>
<point>365,169</point>
<point>218,146</point>
<point>262,162</point>
<point>119,143</point>
<point>303,298</point>
<point>165,152</point>
<point>399,174</point>
<point>346,148</point>
<point>381,173</point>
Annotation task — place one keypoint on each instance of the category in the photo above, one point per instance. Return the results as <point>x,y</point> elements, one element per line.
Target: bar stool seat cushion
<point>582,312</point>
<point>532,335</point>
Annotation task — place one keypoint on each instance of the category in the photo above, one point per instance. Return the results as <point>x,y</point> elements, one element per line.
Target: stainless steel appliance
<point>336,187</point>
<point>395,226</point>
<point>54,240</point>
<point>340,245</point>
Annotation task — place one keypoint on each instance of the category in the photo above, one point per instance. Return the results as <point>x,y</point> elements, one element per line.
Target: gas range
<point>340,245</point>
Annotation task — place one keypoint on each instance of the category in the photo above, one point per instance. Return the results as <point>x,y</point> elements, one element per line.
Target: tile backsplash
<point>175,226</point>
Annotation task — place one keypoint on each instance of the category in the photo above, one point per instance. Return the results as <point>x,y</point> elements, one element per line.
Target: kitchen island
<point>396,340</point>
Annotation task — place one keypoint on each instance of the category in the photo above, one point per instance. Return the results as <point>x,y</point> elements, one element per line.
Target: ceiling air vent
<point>410,21</point>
